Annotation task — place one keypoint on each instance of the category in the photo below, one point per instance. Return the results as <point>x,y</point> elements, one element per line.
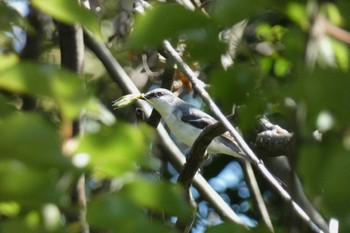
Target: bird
<point>186,122</point>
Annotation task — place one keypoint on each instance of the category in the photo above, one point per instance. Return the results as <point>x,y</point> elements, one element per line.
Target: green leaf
<point>64,86</point>
<point>69,11</point>
<point>324,170</point>
<point>118,149</point>
<point>297,13</point>
<point>321,90</point>
<point>27,185</point>
<point>155,195</point>
<point>163,22</point>
<point>281,67</point>
<point>32,140</point>
<point>228,12</point>
<point>233,85</point>
<point>67,89</point>
<point>8,60</point>
<point>341,51</point>
<point>28,78</point>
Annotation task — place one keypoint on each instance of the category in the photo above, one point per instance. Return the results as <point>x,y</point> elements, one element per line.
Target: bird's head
<point>161,99</point>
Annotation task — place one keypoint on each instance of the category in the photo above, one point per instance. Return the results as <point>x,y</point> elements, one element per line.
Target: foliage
<point>283,68</point>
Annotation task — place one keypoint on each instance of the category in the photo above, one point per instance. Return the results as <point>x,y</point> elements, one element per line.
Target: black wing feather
<point>197,118</point>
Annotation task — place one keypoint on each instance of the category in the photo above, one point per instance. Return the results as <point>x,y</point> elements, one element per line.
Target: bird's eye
<point>159,93</point>
<point>156,94</point>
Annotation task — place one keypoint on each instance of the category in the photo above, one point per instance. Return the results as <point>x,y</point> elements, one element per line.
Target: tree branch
<point>72,57</point>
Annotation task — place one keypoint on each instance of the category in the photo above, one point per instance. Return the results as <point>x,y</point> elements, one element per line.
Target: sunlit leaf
<point>70,12</point>
<point>8,60</point>
<point>281,67</point>
<point>342,54</point>
<point>333,13</point>
<point>9,208</point>
<point>297,12</point>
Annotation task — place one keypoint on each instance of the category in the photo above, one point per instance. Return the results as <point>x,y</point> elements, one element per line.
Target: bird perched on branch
<point>186,121</point>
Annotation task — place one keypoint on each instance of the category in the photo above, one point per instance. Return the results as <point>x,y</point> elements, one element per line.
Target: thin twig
<point>197,85</point>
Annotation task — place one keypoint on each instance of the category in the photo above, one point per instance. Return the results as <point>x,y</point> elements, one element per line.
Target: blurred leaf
<point>64,86</point>
<point>116,213</point>
<point>228,12</point>
<point>70,12</point>
<point>27,185</point>
<point>156,195</point>
<point>333,13</point>
<point>297,12</point>
<point>6,106</point>
<point>69,93</point>
<point>10,209</point>
<point>32,140</point>
<point>9,17</point>
<point>281,67</point>
<point>17,225</point>
<point>170,20</point>
<point>324,169</point>
<point>7,61</point>
<point>28,78</point>
<point>323,89</point>
<point>233,86</point>
<point>173,21</point>
<point>118,149</point>
<point>342,54</point>
<point>237,86</point>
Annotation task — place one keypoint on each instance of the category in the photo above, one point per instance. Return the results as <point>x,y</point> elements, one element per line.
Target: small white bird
<point>186,121</point>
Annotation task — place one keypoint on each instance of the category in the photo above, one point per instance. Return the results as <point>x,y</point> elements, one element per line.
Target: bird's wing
<point>197,118</point>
